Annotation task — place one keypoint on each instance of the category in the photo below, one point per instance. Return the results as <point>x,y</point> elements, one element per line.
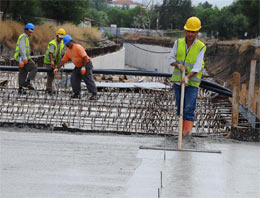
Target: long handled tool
<point>180,130</point>
<point>181,111</point>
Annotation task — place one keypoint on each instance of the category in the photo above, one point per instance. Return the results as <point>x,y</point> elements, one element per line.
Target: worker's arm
<point>23,48</point>
<point>172,57</point>
<point>196,67</point>
<point>85,60</point>
<point>63,60</point>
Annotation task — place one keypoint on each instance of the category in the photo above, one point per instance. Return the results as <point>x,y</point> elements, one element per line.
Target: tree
<point>72,11</point>
<point>174,13</point>
<point>99,4</point>
<point>205,5</point>
<point>23,11</point>
<point>251,10</point>
<point>99,17</point>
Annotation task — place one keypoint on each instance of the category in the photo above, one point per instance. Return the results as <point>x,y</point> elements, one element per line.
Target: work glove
<point>83,71</point>
<point>52,64</point>
<point>55,71</point>
<point>184,80</point>
<point>25,61</point>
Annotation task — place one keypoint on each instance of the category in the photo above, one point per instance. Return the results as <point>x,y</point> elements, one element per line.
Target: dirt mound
<point>223,59</point>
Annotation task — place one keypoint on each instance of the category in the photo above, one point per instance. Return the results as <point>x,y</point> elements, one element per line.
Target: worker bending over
<point>188,52</point>
<point>53,57</point>
<point>83,68</point>
<point>22,55</point>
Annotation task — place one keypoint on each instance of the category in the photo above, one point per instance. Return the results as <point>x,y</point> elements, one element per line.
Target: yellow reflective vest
<point>56,54</point>
<point>27,47</point>
<point>188,60</point>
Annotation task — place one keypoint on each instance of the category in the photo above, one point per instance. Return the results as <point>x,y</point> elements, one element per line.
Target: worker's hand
<point>52,64</point>
<point>55,71</point>
<point>25,61</point>
<point>21,65</point>
<point>184,80</point>
<point>83,71</point>
<point>181,67</point>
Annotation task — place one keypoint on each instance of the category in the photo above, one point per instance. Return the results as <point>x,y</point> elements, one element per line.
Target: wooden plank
<point>251,88</point>
<point>235,98</point>
<point>243,95</point>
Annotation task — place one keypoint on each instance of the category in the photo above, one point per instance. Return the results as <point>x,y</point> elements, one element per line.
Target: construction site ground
<point>40,163</point>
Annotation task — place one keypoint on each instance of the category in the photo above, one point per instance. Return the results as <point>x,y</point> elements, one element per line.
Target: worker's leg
<point>50,78</point>
<point>177,92</point>
<point>32,69</point>
<point>89,80</point>
<point>22,76</point>
<point>190,98</point>
<point>76,80</point>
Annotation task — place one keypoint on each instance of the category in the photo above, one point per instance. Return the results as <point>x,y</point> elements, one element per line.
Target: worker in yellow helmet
<point>188,54</point>
<point>53,56</point>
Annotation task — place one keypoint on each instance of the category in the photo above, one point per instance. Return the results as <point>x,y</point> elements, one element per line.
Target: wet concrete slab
<point>40,164</point>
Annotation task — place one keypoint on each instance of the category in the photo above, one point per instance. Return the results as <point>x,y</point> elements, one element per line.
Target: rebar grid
<point>131,110</point>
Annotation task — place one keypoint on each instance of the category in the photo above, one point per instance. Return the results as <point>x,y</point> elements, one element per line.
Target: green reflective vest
<point>188,60</point>
<point>56,54</point>
<point>27,47</point>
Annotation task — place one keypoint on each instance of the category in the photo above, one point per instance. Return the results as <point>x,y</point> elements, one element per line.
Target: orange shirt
<point>76,54</point>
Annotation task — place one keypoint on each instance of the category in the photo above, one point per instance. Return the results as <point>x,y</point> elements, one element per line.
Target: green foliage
<point>99,4</point>
<point>71,11</point>
<point>251,10</point>
<point>22,11</point>
<point>99,17</point>
<point>174,13</point>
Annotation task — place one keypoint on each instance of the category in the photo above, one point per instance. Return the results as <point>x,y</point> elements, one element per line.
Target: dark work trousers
<point>30,68</point>
<point>50,78</point>
<point>76,78</point>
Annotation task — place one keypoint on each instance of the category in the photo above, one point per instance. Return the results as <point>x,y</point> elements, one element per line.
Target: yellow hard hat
<point>61,33</point>
<point>193,24</point>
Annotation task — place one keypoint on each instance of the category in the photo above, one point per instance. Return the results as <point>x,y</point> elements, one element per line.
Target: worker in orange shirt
<point>83,68</point>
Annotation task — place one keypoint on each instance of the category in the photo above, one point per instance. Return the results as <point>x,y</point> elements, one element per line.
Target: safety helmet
<point>29,26</point>
<point>67,39</point>
<point>193,24</point>
<point>61,33</point>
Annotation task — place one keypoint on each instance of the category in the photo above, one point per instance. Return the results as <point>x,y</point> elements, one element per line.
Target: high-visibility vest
<point>188,60</point>
<point>56,54</point>
<point>27,47</point>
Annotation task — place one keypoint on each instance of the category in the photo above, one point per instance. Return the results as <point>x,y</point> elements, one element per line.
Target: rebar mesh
<point>127,110</point>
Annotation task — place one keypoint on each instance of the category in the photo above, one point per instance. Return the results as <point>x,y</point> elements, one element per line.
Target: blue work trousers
<point>190,98</point>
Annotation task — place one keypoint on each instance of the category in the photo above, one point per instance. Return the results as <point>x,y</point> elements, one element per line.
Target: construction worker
<point>188,53</point>
<point>53,56</point>
<point>22,55</point>
<point>83,68</point>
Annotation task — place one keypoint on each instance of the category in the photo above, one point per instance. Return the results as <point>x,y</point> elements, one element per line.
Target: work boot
<point>28,85</point>
<point>21,91</point>
<point>75,96</point>
<point>187,127</point>
<point>93,97</point>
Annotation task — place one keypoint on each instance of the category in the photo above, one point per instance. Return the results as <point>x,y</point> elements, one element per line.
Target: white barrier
<point>115,60</point>
<point>146,60</point>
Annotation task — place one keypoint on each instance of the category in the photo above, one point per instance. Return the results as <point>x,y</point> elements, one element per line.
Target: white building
<point>122,3</point>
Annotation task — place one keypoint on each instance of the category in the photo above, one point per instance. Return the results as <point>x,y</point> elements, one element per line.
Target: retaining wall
<point>142,59</point>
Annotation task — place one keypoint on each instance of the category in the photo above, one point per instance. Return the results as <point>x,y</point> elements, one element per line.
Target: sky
<point>219,3</point>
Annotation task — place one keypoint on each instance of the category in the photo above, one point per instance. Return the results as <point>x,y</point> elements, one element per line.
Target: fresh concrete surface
<point>39,164</point>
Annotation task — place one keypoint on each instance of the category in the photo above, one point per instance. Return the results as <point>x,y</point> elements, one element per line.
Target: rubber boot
<point>187,127</point>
